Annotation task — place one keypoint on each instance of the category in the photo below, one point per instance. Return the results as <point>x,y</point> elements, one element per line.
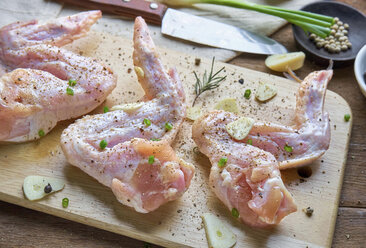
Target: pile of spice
<point>337,41</point>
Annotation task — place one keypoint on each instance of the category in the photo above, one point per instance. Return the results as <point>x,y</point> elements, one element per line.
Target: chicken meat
<point>45,83</point>
<point>129,150</point>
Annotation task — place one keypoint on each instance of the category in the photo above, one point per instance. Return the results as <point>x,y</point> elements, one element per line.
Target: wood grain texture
<point>20,227</point>
<point>178,223</point>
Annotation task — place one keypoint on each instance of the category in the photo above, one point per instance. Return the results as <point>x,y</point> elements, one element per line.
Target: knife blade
<point>188,27</point>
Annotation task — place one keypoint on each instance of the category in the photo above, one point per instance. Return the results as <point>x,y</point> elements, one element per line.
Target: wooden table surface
<point>20,227</point>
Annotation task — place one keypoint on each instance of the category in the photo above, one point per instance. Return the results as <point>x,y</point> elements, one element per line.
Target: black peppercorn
<point>48,188</point>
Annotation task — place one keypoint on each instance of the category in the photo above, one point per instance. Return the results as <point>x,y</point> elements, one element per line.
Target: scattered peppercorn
<point>241,81</point>
<point>197,61</point>
<point>48,189</point>
<point>308,211</point>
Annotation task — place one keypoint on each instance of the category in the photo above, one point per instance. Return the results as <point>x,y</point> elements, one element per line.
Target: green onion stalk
<point>309,22</point>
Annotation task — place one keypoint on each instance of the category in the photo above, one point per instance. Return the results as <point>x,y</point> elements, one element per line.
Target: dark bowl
<point>356,33</point>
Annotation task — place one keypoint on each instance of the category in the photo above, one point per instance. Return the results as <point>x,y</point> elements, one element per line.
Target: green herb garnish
<point>235,213</point>
<point>72,82</point>
<point>41,133</point>
<point>65,202</point>
<point>247,93</point>
<point>250,142</point>
<point>69,91</point>
<point>210,82</point>
<point>105,109</point>
<point>154,139</point>
<point>347,117</point>
<point>288,148</point>
<point>168,126</point>
<point>103,144</point>
<point>147,122</point>
<point>222,162</point>
<point>151,159</point>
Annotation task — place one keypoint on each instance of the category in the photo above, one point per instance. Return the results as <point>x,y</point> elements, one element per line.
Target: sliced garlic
<point>217,233</point>
<point>283,62</point>
<point>228,104</point>
<point>265,92</point>
<point>240,128</point>
<point>34,186</point>
<point>128,107</point>
<point>193,113</point>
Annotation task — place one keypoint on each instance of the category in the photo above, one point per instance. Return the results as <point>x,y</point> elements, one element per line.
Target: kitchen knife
<point>186,26</point>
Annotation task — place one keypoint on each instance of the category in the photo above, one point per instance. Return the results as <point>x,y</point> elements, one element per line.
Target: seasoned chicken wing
<point>245,178</point>
<point>129,150</point>
<point>51,83</point>
<point>309,137</point>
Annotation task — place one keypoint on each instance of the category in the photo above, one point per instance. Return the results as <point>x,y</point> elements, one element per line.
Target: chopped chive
<point>250,142</point>
<point>69,91</point>
<point>72,82</point>
<point>235,213</point>
<point>222,162</point>
<point>41,133</point>
<point>347,117</point>
<point>105,109</point>
<point>153,139</point>
<point>151,159</point>
<point>288,148</point>
<point>65,202</point>
<point>247,93</point>
<point>147,245</point>
<point>168,126</point>
<point>103,144</point>
<point>147,122</point>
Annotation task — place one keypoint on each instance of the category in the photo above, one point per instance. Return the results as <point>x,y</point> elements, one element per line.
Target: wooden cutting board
<point>178,223</point>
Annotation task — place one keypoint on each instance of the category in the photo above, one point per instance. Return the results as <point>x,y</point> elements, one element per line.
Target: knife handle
<point>152,12</point>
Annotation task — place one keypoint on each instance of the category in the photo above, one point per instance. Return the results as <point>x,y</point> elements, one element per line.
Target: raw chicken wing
<point>249,181</point>
<point>34,97</point>
<point>138,163</point>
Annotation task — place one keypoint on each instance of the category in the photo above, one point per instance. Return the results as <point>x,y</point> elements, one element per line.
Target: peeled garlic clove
<point>217,233</point>
<point>34,186</point>
<point>193,113</point>
<point>228,104</point>
<point>283,62</point>
<point>265,92</point>
<point>128,107</point>
<point>240,128</point>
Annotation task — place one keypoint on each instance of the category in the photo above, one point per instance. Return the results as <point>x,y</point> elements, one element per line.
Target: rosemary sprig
<point>208,83</point>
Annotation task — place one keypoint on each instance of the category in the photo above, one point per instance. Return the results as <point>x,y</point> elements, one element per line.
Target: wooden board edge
<point>338,196</point>
<point>86,221</point>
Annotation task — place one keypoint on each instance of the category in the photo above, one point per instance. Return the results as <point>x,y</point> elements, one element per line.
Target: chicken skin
<point>46,83</point>
<point>137,163</point>
<point>309,137</point>
<point>245,178</point>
